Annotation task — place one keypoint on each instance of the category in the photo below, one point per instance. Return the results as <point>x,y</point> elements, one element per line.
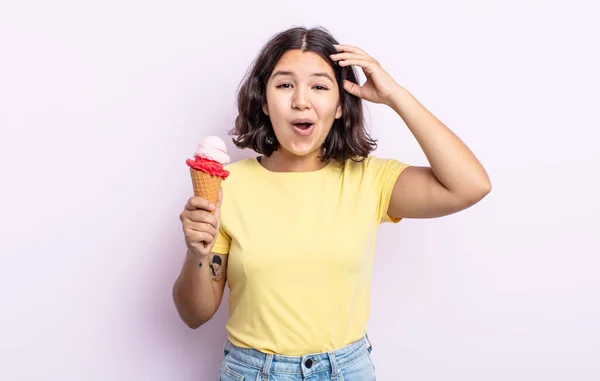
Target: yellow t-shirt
<point>301,248</point>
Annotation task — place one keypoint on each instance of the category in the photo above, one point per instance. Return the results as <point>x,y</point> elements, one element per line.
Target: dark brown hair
<point>347,139</point>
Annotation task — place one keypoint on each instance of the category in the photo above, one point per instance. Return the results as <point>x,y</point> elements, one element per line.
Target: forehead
<point>303,63</point>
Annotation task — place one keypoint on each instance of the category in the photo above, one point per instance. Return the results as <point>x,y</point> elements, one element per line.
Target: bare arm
<point>455,181</point>
<point>198,290</point>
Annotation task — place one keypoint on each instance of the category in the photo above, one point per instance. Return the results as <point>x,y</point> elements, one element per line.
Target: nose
<point>300,100</point>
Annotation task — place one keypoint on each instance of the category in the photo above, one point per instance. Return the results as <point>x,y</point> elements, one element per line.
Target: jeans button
<point>308,363</point>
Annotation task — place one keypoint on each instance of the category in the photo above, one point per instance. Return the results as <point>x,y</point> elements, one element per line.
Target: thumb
<point>352,88</point>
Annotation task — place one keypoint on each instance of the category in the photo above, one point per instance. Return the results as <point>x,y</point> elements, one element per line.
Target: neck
<point>280,162</point>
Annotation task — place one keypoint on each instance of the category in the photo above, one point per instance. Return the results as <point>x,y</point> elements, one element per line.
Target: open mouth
<point>304,128</point>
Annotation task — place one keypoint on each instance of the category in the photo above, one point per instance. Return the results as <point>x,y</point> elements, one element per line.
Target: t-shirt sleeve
<point>383,174</point>
<point>223,242</point>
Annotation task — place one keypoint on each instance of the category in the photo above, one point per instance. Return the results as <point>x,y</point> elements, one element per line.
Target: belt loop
<point>334,368</point>
<point>369,345</point>
<point>226,348</point>
<point>266,367</point>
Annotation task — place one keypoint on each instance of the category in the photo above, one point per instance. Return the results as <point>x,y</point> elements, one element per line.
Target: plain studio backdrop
<point>101,102</point>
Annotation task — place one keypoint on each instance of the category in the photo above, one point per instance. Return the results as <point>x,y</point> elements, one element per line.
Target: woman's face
<point>302,86</point>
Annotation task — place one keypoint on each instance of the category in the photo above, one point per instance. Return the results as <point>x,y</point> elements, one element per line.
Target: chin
<point>301,149</point>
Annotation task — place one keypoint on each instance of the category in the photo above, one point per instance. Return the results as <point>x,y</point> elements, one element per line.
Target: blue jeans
<point>351,363</point>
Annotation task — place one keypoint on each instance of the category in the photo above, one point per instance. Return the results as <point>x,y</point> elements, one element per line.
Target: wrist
<point>398,98</point>
<point>195,260</point>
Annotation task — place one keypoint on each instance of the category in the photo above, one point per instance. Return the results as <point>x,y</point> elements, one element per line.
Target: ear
<point>338,112</point>
<point>265,109</point>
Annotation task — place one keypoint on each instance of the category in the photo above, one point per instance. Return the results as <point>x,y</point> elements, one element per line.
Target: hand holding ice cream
<point>207,173</point>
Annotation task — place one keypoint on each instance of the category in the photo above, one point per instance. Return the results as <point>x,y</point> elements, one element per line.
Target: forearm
<point>452,162</point>
<point>195,293</point>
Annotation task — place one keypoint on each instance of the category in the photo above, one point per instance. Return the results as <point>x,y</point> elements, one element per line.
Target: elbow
<point>479,192</point>
<point>485,189</point>
<point>193,325</point>
<point>472,195</point>
<point>485,185</point>
<point>192,321</point>
<point>189,315</point>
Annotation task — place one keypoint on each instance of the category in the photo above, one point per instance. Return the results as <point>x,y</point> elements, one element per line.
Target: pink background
<point>102,102</point>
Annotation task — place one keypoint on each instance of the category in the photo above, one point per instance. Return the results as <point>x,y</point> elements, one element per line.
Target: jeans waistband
<point>305,365</point>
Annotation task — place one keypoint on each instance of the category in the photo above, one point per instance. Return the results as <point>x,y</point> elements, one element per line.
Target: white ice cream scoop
<point>213,148</point>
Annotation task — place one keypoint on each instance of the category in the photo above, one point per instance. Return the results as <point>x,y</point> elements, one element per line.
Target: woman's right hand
<point>200,226</point>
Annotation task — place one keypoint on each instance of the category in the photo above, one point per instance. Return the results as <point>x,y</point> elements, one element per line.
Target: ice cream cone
<point>206,186</point>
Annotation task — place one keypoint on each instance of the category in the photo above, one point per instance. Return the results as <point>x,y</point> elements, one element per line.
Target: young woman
<point>293,233</point>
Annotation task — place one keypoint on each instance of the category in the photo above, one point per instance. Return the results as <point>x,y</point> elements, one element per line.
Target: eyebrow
<point>284,72</point>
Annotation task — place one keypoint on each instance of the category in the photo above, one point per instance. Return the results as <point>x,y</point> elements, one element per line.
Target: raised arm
<point>455,181</point>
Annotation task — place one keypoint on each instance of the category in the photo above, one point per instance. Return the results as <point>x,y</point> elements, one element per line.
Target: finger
<point>194,236</point>
<point>347,56</point>
<point>351,49</point>
<point>368,67</point>
<point>197,202</point>
<point>364,63</point>
<point>352,88</point>
<point>201,227</point>
<point>202,216</point>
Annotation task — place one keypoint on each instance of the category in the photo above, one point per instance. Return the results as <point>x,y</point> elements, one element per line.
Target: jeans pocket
<point>227,374</point>
<point>360,370</point>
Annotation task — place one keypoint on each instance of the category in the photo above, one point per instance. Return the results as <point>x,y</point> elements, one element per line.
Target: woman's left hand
<point>379,87</point>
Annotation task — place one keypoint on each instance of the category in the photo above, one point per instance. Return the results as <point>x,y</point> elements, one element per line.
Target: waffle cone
<point>206,186</point>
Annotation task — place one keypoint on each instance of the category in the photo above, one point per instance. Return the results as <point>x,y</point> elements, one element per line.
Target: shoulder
<point>379,172</point>
<point>371,164</point>
<point>240,165</point>
<point>240,171</point>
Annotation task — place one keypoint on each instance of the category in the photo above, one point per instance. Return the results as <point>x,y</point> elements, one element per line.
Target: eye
<point>287,86</point>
